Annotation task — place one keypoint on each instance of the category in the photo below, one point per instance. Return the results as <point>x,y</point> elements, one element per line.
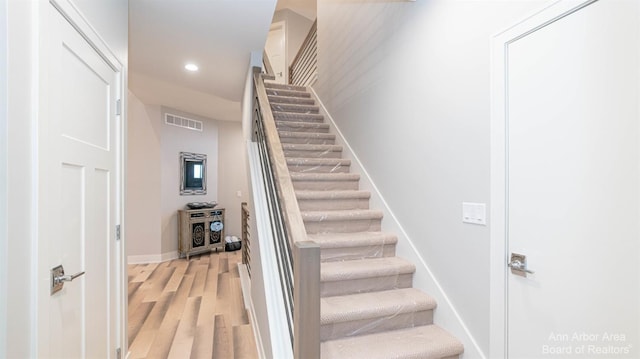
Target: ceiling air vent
<point>179,121</point>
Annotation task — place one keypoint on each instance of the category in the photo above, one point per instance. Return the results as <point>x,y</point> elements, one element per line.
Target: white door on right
<point>573,181</point>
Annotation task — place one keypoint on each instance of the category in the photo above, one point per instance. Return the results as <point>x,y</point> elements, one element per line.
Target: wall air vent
<point>179,121</point>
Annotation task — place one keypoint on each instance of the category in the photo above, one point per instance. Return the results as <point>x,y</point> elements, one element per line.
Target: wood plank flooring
<point>189,309</point>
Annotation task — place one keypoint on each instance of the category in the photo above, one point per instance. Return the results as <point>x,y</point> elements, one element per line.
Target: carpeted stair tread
<point>329,200</point>
<point>319,216</point>
<point>283,107</point>
<point>311,136</point>
<point>325,176</point>
<point>287,93</point>
<point>373,305</point>
<point>324,181</point>
<point>297,117</point>
<point>423,342</point>
<point>357,239</point>
<point>365,268</point>
<point>292,126</point>
<point>301,195</point>
<point>291,99</point>
<point>307,150</point>
<point>318,164</point>
<point>293,161</point>
<point>273,85</point>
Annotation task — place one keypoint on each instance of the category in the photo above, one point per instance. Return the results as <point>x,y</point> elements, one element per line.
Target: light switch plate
<point>474,213</point>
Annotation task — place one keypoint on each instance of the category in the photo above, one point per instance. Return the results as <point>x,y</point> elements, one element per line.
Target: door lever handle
<point>58,278</point>
<point>517,265</point>
<point>67,278</point>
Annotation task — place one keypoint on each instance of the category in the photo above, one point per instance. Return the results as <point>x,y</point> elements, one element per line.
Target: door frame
<point>73,15</point>
<point>498,329</point>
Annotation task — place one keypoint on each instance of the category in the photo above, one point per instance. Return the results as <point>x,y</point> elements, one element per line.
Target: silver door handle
<point>58,278</point>
<point>67,278</point>
<point>517,265</point>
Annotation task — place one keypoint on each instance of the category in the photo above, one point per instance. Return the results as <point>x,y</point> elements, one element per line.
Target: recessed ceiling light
<point>191,67</point>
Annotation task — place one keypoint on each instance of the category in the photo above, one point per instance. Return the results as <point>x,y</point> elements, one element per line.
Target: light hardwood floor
<point>189,309</point>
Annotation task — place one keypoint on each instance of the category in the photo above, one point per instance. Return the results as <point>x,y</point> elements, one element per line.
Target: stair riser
<point>343,226</point>
<point>326,185</point>
<point>308,140</point>
<point>333,204</point>
<point>292,100</point>
<point>312,154</point>
<point>306,129</point>
<point>295,109</point>
<point>319,168</point>
<point>375,325</point>
<point>272,86</point>
<point>365,285</point>
<point>353,253</point>
<point>287,93</point>
<point>292,117</point>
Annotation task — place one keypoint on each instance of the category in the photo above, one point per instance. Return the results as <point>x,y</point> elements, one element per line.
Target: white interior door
<point>77,200</point>
<point>573,175</point>
<point>276,51</point>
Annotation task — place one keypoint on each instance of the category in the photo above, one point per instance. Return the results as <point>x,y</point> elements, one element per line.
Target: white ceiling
<point>217,35</point>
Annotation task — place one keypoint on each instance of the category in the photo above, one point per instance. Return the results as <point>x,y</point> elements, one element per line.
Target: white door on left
<point>77,194</point>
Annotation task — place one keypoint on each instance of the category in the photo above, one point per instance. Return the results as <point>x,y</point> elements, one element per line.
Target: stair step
<point>307,138</point>
<point>282,107</point>
<point>287,93</point>
<point>368,313</point>
<point>273,85</point>
<point>323,165</point>
<point>317,151</point>
<point>425,342</point>
<point>365,275</point>
<point>292,126</point>
<point>291,100</point>
<point>350,246</point>
<point>332,200</point>
<point>328,181</point>
<point>297,117</point>
<point>348,221</point>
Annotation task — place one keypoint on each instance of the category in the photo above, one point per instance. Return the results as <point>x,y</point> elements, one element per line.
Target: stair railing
<point>304,67</point>
<point>246,238</point>
<point>298,258</point>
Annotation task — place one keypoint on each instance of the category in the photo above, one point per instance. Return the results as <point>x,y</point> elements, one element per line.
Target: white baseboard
<point>245,283</point>
<point>446,315</point>
<point>152,258</point>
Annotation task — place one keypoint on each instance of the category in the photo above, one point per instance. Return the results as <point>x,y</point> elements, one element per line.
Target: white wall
<point>232,175</point>
<point>3,177</point>
<point>296,27</point>
<point>22,79</point>
<point>173,141</point>
<point>143,202</point>
<point>408,85</point>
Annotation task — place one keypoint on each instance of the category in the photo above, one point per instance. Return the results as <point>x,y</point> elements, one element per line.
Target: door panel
<point>77,200</point>
<point>574,185</point>
<point>276,51</point>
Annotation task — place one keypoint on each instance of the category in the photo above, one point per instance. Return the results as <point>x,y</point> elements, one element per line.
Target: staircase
<point>368,306</point>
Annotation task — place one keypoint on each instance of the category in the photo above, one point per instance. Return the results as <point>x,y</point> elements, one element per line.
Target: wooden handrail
<point>305,43</point>
<point>288,200</point>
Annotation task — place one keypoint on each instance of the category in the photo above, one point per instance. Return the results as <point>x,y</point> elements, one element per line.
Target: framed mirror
<point>193,173</point>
